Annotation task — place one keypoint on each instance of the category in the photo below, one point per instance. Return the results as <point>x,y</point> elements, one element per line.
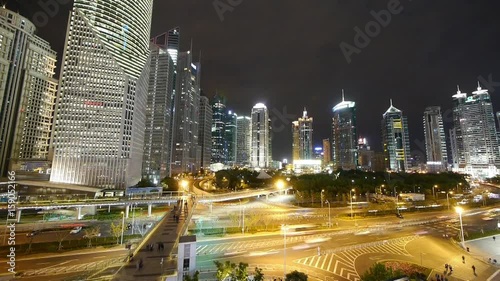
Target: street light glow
<point>459,210</point>
<point>280,184</point>
<point>184,184</point>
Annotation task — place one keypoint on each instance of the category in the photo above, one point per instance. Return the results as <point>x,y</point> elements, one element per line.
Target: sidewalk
<point>157,262</point>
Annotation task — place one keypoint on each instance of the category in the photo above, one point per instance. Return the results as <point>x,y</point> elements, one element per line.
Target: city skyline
<point>436,68</point>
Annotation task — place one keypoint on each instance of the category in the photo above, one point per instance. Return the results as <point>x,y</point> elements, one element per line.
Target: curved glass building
<point>100,112</point>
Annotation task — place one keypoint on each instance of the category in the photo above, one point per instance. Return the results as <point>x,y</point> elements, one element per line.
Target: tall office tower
<point>435,142</point>
<point>219,146</point>
<point>158,130</point>
<point>100,114</point>
<point>295,141</point>
<point>302,138</point>
<point>395,140</point>
<point>365,155</point>
<point>327,152</point>
<point>243,140</point>
<point>230,137</point>
<point>186,153</point>
<point>169,41</point>
<point>270,146</point>
<point>344,147</point>
<point>260,154</point>
<point>456,136</point>
<point>27,95</point>
<point>479,134</point>
<point>205,131</point>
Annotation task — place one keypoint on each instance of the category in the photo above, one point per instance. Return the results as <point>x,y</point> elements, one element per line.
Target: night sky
<point>287,54</point>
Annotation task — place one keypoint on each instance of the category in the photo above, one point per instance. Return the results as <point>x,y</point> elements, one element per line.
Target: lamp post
<point>448,199</point>
<point>329,214</point>
<point>322,196</point>
<point>284,228</point>
<point>434,191</point>
<point>350,195</point>
<point>459,210</point>
<point>134,206</point>
<point>123,227</point>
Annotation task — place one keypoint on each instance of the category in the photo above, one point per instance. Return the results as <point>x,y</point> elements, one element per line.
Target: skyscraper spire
<point>458,89</point>
<point>478,86</point>
<point>390,100</point>
<point>304,114</point>
<point>343,99</point>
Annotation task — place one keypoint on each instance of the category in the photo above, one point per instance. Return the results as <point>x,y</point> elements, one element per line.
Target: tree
<point>224,270</point>
<point>92,233</point>
<point>194,278</point>
<point>170,184</point>
<point>379,272</point>
<point>61,235</point>
<point>258,275</point>
<point>116,231</point>
<point>296,276</point>
<point>145,183</point>
<point>240,272</point>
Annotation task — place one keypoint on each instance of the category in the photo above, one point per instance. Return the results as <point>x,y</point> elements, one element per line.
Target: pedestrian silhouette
<point>494,238</point>
<point>463,259</point>
<point>474,269</point>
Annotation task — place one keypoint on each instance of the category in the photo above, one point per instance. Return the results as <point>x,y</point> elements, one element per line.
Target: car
<point>32,233</point>
<point>129,226</point>
<point>76,230</point>
<point>148,225</point>
<point>399,215</point>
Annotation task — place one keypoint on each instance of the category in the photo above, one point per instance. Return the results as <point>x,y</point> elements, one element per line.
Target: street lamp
<point>434,191</point>
<point>459,210</point>
<point>280,184</point>
<point>329,214</point>
<point>284,227</point>
<point>322,196</point>
<point>448,199</point>
<point>123,227</point>
<point>350,195</point>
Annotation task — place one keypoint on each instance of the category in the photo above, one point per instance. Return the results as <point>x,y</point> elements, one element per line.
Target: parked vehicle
<point>33,233</point>
<point>76,230</point>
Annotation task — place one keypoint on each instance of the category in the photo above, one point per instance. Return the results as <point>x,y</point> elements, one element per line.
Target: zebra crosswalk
<point>74,268</point>
<point>341,262</point>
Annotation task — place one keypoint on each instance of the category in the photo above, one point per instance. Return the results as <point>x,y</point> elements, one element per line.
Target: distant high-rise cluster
<point>128,107</point>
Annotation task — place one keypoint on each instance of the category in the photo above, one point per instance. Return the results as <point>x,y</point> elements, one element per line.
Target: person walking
<point>463,259</point>
<point>494,238</point>
<point>474,269</point>
<point>451,269</point>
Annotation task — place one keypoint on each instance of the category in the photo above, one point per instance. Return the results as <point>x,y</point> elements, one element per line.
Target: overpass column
<point>211,207</point>
<point>286,191</point>
<point>18,215</point>
<point>267,197</point>
<point>109,208</point>
<point>127,210</point>
<point>79,213</point>
<point>150,206</point>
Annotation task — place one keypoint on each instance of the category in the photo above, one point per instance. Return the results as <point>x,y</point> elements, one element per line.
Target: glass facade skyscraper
<point>100,115</point>
<point>435,142</point>
<point>395,140</point>
<point>187,152</point>
<point>27,95</point>
<point>344,136</point>
<point>261,142</point>
<point>230,137</point>
<point>158,130</point>
<point>477,123</point>
<point>205,132</point>
<point>302,138</point>
<point>219,146</point>
<point>243,140</point>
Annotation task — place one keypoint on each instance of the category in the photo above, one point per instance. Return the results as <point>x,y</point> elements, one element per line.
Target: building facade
<point>435,142</point>
<point>158,130</point>
<point>205,132</point>
<point>219,146</point>
<point>365,155</point>
<point>243,140</point>
<point>27,96</point>
<point>230,137</point>
<point>100,114</point>
<point>302,138</point>
<point>186,153</point>
<point>327,152</point>
<point>395,140</point>
<point>456,136</point>
<point>344,137</point>
<point>480,144</point>
<point>261,142</point>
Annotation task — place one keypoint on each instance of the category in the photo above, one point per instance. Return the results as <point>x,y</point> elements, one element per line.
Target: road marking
<point>323,264</point>
<point>330,263</point>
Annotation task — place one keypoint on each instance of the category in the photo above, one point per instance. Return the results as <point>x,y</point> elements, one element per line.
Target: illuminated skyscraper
<point>100,115</point>
<point>327,152</point>
<point>219,146</point>
<point>477,123</point>
<point>302,138</point>
<point>344,137</point>
<point>435,142</point>
<point>27,95</point>
<point>159,106</point>
<point>395,140</point>
<point>260,154</point>
<point>205,132</point>
<point>243,140</point>
<point>456,136</point>
<point>187,152</point>
<point>230,137</point>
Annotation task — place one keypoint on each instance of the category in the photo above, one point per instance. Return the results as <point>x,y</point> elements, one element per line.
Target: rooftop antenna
<point>390,101</point>
<point>458,89</point>
<point>342,95</point>
<point>478,86</point>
